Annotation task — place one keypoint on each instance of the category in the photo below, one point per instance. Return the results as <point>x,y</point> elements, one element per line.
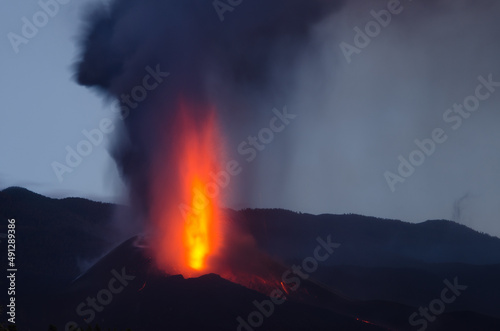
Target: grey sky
<point>43,110</point>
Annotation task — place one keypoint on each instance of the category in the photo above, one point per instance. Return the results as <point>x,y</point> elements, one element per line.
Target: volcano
<point>153,300</point>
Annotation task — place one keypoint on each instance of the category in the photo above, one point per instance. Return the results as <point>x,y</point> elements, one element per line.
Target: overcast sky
<point>350,129</point>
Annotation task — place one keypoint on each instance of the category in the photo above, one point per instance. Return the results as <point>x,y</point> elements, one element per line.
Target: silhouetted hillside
<point>54,235</point>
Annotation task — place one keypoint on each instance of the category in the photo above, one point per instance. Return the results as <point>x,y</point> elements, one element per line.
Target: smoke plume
<point>354,118</point>
<point>237,64</point>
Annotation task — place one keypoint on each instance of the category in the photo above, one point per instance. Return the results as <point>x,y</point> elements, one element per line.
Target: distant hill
<point>369,241</point>
<point>54,235</point>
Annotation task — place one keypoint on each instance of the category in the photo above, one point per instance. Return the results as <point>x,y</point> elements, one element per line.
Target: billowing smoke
<point>152,56</point>
<point>355,113</point>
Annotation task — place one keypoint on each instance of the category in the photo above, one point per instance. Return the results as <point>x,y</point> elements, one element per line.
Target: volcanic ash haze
<point>353,120</point>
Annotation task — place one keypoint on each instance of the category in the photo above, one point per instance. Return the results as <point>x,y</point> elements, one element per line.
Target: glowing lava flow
<point>188,231</point>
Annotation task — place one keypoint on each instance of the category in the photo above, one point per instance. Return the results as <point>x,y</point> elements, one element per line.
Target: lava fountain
<point>188,229</point>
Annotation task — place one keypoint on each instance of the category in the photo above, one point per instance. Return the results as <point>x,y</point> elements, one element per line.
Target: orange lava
<point>188,228</point>
<point>198,230</point>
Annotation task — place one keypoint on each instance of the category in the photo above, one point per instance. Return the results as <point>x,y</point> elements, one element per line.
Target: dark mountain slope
<point>369,241</point>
